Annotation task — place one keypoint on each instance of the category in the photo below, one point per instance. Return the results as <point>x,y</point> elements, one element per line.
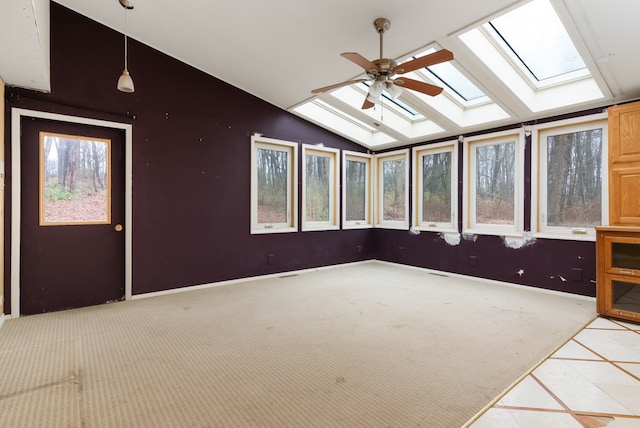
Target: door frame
<point>16,117</point>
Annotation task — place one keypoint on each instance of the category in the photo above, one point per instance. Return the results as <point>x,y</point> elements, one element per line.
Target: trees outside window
<point>435,184</point>
<point>571,191</point>
<point>74,180</point>
<point>320,204</point>
<point>494,181</point>
<point>392,179</point>
<point>357,175</point>
<point>274,190</point>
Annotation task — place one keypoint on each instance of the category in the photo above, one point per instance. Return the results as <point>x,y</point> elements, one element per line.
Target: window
<point>494,181</point>
<point>435,187</point>
<point>320,178</point>
<point>75,180</point>
<point>356,194</point>
<point>392,203</point>
<point>274,186</point>
<point>571,193</point>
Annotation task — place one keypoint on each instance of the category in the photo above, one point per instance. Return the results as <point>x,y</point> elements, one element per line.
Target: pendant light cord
<point>125,40</point>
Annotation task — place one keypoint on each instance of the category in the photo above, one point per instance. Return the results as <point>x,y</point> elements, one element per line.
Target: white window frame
<point>365,158</point>
<point>470,225</point>
<point>379,177</point>
<point>334,181</point>
<point>291,225</point>
<point>418,153</point>
<point>539,133</point>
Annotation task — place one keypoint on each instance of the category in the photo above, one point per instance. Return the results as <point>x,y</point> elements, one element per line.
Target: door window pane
<point>74,180</point>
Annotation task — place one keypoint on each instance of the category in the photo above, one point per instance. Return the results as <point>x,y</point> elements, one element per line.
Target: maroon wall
<point>554,264</point>
<point>191,160</point>
<point>191,176</point>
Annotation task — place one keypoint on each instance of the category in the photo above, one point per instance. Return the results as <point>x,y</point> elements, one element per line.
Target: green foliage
<point>55,192</point>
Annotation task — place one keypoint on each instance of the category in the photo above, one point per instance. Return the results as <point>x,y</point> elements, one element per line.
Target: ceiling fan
<point>381,71</point>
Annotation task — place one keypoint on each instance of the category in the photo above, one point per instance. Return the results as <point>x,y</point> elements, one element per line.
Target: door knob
<point>118,228</point>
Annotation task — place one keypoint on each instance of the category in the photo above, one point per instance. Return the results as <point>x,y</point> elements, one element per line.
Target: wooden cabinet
<point>618,272</point>
<point>624,165</point>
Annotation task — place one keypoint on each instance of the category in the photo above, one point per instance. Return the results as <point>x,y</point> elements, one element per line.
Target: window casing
<point>392,190</point>
<point>320,180</point>
<point>435,187</point>
<point>493,180</point>
<point>570,189</point>
<point>274,185</point>
<point>357,176</point>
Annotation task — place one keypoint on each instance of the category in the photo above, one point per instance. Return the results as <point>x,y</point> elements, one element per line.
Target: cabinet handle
<point>629,314</point>
<point>627,272</point>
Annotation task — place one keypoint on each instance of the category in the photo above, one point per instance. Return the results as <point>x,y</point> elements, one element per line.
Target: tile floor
<point>592,381</point>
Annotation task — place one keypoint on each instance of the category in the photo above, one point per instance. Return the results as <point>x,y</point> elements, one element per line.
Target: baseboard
<point>490,281</point>
<point>243,280</point>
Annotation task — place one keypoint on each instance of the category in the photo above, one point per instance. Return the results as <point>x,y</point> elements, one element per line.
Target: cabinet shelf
<point>618,272</point>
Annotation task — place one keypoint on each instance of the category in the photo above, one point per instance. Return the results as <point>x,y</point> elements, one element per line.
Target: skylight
<point>447,75</point>
<point>456,81</point>
<point>534,34</point>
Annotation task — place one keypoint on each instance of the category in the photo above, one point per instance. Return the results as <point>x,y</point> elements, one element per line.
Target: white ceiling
<point>282,49</point>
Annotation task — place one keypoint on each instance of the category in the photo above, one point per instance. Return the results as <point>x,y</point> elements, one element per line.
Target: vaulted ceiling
<point>282,49</point>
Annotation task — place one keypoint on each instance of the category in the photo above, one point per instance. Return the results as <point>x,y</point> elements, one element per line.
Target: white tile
<point>627,395</point>
<point>629,325</point>
<point>604,323</point>
<point>620,422</point>
<point>614,345</point>
<point>574,350</point>
<point>575,384</point>
<point>633,368</point>
<point>529,393</point>
<point>495,418</point>
<point>508,418</point>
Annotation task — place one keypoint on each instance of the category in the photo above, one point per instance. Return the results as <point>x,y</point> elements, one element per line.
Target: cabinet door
<point>622,299</point>
<point>624,195</point>
<point>624,133</point>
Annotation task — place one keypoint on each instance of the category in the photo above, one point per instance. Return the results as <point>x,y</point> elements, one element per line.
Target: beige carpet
<point>368,345</point>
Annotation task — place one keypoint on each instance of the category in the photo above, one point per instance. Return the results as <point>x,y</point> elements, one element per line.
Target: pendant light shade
<point>125,82</point>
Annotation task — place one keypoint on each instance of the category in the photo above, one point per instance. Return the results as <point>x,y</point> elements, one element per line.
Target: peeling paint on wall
<point>451,238</point>
<point>470,237</point>
<point>517,242</point>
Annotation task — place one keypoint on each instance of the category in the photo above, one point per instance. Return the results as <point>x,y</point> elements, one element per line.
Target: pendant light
<point>125,82</point>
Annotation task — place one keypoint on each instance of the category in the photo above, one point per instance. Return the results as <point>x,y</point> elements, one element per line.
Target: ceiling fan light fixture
<point>375,91</point>
<point>393,90</point>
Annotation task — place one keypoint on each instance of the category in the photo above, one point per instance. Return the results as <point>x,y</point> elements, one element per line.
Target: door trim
<point>16,116</point>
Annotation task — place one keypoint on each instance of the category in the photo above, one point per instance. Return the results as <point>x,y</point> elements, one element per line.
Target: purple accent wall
<point>191,175</point>
<point>191,160</point>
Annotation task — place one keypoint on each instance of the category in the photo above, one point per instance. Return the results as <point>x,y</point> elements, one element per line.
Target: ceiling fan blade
<point>416,85</point>
<point>360,60</point>
<point>367,104</point>
<point>337,85</point>
<point>424,61</point>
